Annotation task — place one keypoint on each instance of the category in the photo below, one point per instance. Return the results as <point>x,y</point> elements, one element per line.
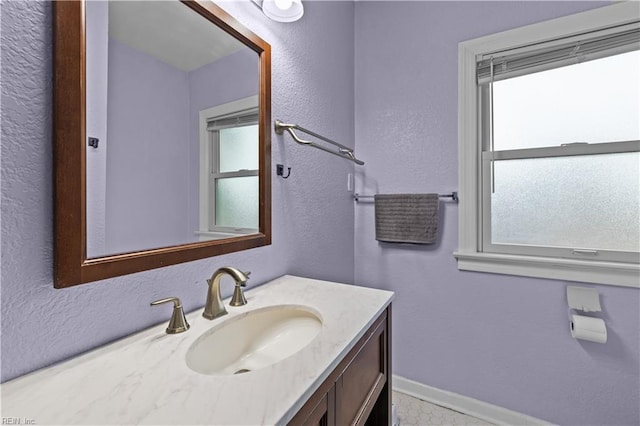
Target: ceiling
<point>171,32</point>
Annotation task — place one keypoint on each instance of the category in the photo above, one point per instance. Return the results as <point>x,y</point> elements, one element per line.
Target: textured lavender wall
<point>225,80</point>
<point>148,162</point>
<point>497,338</point>
<point>312,212</point>
<point>97,57</point>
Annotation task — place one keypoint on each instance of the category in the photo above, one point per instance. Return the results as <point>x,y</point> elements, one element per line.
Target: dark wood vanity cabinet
<point>358,391</point>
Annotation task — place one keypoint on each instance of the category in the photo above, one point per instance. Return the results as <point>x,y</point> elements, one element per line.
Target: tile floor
<point>415,412</point>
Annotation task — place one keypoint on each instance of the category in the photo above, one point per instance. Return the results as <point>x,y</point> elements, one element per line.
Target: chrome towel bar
<point>454,195</point>
<point>343,151</point>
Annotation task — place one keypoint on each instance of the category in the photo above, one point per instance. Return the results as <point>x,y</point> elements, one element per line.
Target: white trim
<point>612,273</point>
<point>205,152</point>
<point>208,236</point>
<point>571,150</point>
<point>242,173</point>
<point>214,235</point>
<point>469,254</point>
<point>468,150</point>
<point>464,404</point>
<point>559,28</point>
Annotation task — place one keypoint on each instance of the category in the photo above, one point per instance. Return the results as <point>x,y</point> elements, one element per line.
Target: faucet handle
<point>178,323</point>
<point>244,283</point>
<point>238,298</point>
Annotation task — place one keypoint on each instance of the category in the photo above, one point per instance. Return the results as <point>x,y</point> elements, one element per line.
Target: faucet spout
<point>214,307</point>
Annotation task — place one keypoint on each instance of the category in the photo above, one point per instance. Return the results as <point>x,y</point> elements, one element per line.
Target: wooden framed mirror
<point>162,150</point>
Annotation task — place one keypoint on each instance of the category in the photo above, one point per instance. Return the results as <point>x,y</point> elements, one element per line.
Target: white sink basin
<point>254,340</point>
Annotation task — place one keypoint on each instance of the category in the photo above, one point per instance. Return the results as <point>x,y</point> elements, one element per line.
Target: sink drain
<point>242,370</point>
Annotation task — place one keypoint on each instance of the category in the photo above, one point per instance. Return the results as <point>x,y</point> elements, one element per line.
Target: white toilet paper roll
<point>588,328</point>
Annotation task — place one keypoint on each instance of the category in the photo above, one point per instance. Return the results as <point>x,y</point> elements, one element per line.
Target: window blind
<point>556,53</point>
<point>236,119</point>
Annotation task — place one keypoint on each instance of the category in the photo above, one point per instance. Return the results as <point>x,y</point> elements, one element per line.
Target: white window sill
<point>217,235</point>
<point>611,273</point>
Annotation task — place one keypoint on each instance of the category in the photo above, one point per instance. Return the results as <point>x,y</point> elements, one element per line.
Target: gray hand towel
<point>407,218</point>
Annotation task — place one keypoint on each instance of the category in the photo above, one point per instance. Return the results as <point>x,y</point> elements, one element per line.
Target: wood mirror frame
<point>72,267</point>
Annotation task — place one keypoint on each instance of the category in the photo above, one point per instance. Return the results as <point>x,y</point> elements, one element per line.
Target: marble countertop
<point>144,379</point>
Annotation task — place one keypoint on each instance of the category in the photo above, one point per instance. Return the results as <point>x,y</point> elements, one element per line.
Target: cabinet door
<point>323,413</point>
<point>362,381</point>
<point>318,411</point>
<point>358,391</point>
<point>319,416</point>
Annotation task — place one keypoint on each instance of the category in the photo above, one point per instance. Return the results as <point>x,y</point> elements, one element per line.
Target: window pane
<point>239,148</point>
<point>596,101</point>
<point>237,202</point>
<point>590,201</point>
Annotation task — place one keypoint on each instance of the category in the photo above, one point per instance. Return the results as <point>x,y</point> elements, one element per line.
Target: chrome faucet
<point>214,307</point>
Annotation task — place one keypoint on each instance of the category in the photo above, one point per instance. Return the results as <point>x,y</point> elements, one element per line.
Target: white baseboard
<point>473,407</point>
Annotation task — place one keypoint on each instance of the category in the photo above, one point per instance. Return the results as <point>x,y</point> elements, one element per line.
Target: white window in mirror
<point>229,170</point>
<point>550,150</point>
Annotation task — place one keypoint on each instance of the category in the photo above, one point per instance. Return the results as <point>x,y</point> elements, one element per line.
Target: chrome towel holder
<point>342,151</point>
<point>454,196</point>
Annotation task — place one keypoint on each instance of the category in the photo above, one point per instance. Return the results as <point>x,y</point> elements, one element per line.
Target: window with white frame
<point>550,149</point>
<point>229,170</point>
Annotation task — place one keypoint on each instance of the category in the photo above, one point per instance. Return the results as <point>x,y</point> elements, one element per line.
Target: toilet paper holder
<point>584,327</point>
<point>585,299</point>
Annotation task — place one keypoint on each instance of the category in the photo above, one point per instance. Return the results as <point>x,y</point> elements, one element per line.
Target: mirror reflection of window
<point>233,183</point>
<point>229,168</point>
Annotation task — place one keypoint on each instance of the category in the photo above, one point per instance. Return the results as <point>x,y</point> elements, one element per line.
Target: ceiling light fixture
<point>283,10</point>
